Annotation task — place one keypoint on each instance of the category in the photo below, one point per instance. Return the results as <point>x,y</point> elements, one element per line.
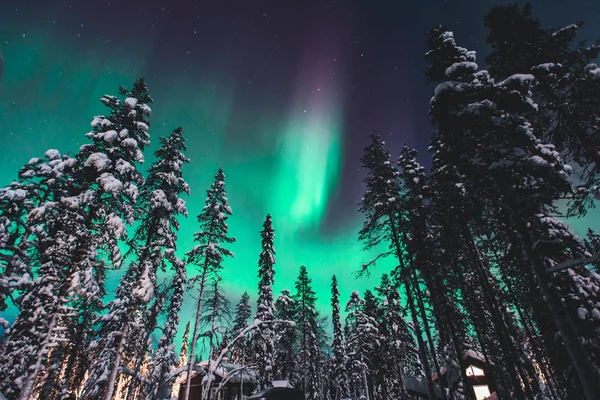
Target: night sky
<point>280,94</point>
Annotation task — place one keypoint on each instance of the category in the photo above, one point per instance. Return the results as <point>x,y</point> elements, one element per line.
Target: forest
<point>485,266</point>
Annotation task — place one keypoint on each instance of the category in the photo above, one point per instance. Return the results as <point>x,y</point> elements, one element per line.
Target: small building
<point>230,380</point>
<point>474,376</point>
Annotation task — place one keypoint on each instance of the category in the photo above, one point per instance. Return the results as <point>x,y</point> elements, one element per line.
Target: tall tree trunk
<point>503,335</point>
<point>110,386</point>
<point>26,390</point>
<point>186,392</point>
<point>411,304</point>
<point>436,364</point>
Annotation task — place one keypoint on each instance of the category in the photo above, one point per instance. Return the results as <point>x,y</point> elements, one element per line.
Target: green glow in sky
<point>284,161</point>
<point>308,170</point>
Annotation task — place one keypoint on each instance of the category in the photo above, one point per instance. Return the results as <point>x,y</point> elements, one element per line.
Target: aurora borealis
<point>281,95</point>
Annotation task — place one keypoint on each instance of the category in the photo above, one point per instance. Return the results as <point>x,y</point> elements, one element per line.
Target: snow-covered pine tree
<point>285,339</point>
<point>306,328</point>
<point>164,359</point>
<point>40,181</point>
<point>385,224</point>
<point>400,356</point>
<point>185,347</point>
<point>79,229</point>
<point>159,206</point>
<point>567,85</point>
<point>263,339</point>
<point>362,340</point>
<point>339,376</point>
<point>216,316</point>
<point>240,351</point>
<point>209,253</point>
<point>504,162</point>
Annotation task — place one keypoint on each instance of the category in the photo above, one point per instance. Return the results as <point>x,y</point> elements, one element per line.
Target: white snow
<point>592,71</point>
<point>131,102</point>
<point>146,289</point>
<point>466,65</point>
<point>131,143</point>
<point>116,224</point>
<point>110,184</point>
<point>146,109</point>
<point>142,125</point>
<point>521,79</point>
<point>71,202</point>
<point>566,28</point>
<point>110,136</point>
<point>123,133</point>
<point>124,167</point>
<point>100,161</point>
<point>52,154</point>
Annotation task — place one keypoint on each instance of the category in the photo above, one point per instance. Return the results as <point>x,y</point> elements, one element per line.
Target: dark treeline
<point>484,264</point>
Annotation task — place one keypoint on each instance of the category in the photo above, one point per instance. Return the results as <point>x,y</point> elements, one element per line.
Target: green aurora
<point>286,160</point>
<point>287,165</point>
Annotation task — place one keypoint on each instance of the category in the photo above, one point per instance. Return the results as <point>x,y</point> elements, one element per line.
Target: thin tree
<point>209,253</point>
<point>263,340</point>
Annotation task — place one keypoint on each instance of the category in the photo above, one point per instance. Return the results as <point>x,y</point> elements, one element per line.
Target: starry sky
<point>280,94</point>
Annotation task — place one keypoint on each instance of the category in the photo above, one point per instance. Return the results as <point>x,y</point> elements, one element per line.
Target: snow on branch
<point>573,263</point>
<point>214,365</point>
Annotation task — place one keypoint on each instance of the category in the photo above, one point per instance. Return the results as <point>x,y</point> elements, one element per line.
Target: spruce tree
<point>209,253</point>
<point>240,351</point>
<point>285,339</point>
<point>81,231</point>
<point>362,340</point>
<point>185,346</point>
<point>501,158</point>
<point>160,205</point>
<point>398,351</point>
<point>385,225</point>
<point>306,327</point>
<point>338,368</point>
<point>566,85</point>
<point>263,339</point>
<point>216,316</point>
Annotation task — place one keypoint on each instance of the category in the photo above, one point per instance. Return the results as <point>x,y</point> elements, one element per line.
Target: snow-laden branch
<point>573,263</point>
<point>233,373</point>
<point>214,365</point>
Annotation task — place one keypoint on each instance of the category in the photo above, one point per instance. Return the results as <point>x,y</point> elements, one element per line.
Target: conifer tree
<point>285,339</point>
<point>338,368</point>
<point>79,229</point>
<point>263,339</point>
<point>306,327</point>
<point>185,346</point>
<point>399,353</point>
<point>165,358</point>
<point>240,351</point>
<point>362,340</point>
<point>566,85</point>
<point>209,253</point>
<point>385,225</point>
<point>216,316</point>
<point>160,205</point>
<point>491,119</point>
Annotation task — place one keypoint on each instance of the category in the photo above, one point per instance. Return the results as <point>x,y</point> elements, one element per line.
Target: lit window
<point>474,371</point>
<point>481,392</point>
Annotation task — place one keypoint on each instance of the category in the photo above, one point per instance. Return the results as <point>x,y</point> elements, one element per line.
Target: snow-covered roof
<point>473,354</point>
